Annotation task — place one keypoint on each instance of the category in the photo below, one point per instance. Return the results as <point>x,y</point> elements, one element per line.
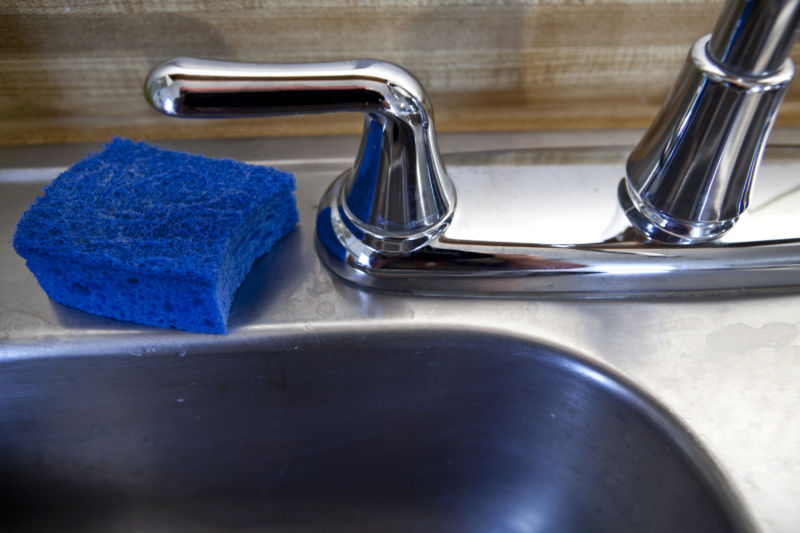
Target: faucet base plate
<point>599,256</point>
<point>658,226</point>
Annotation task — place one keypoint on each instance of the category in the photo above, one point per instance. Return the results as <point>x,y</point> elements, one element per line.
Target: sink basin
<point>392,431</point>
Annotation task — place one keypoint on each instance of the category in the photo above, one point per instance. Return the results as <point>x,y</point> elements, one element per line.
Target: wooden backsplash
<point>73,71</point>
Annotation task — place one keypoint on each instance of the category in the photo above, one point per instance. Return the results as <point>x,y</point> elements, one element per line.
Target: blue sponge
<point>153,236</point>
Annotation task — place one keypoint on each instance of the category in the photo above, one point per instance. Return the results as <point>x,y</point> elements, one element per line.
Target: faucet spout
<point>754,37</point>
<point>690,177</point>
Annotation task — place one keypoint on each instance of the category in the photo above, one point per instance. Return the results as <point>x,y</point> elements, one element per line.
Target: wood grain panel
<point>73,71</point>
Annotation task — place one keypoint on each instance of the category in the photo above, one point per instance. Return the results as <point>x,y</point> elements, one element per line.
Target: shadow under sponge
<point>154,236</point>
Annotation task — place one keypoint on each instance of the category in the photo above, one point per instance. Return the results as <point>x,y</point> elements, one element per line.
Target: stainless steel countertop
<point>727,368</point>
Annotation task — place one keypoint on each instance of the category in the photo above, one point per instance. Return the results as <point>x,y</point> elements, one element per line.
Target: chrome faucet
<point>691,175</point>
<point>385,222</point>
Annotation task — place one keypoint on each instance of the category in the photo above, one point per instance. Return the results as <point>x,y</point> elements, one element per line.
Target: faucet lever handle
<point>187,87</point>
<point>398,193</point>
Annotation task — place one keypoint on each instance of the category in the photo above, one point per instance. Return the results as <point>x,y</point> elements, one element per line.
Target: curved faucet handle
<point>186,86</point>
<point>398,194</point>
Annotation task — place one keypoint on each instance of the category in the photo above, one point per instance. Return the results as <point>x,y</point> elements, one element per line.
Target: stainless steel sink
<point>332,408</point>
<point>398,431</point>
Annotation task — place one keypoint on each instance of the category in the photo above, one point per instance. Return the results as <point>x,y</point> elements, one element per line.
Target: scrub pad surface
<point>154,236</point>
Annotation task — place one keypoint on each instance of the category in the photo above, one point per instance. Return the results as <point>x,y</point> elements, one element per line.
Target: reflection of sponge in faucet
<point>154,236</point>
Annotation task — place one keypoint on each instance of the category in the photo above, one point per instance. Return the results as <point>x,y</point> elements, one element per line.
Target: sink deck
<point>725,368</point>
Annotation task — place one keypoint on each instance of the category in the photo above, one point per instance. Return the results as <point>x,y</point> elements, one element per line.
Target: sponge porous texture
<point>154,236</point>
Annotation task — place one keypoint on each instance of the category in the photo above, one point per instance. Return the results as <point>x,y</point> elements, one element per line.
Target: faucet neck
<point>753,38</point>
